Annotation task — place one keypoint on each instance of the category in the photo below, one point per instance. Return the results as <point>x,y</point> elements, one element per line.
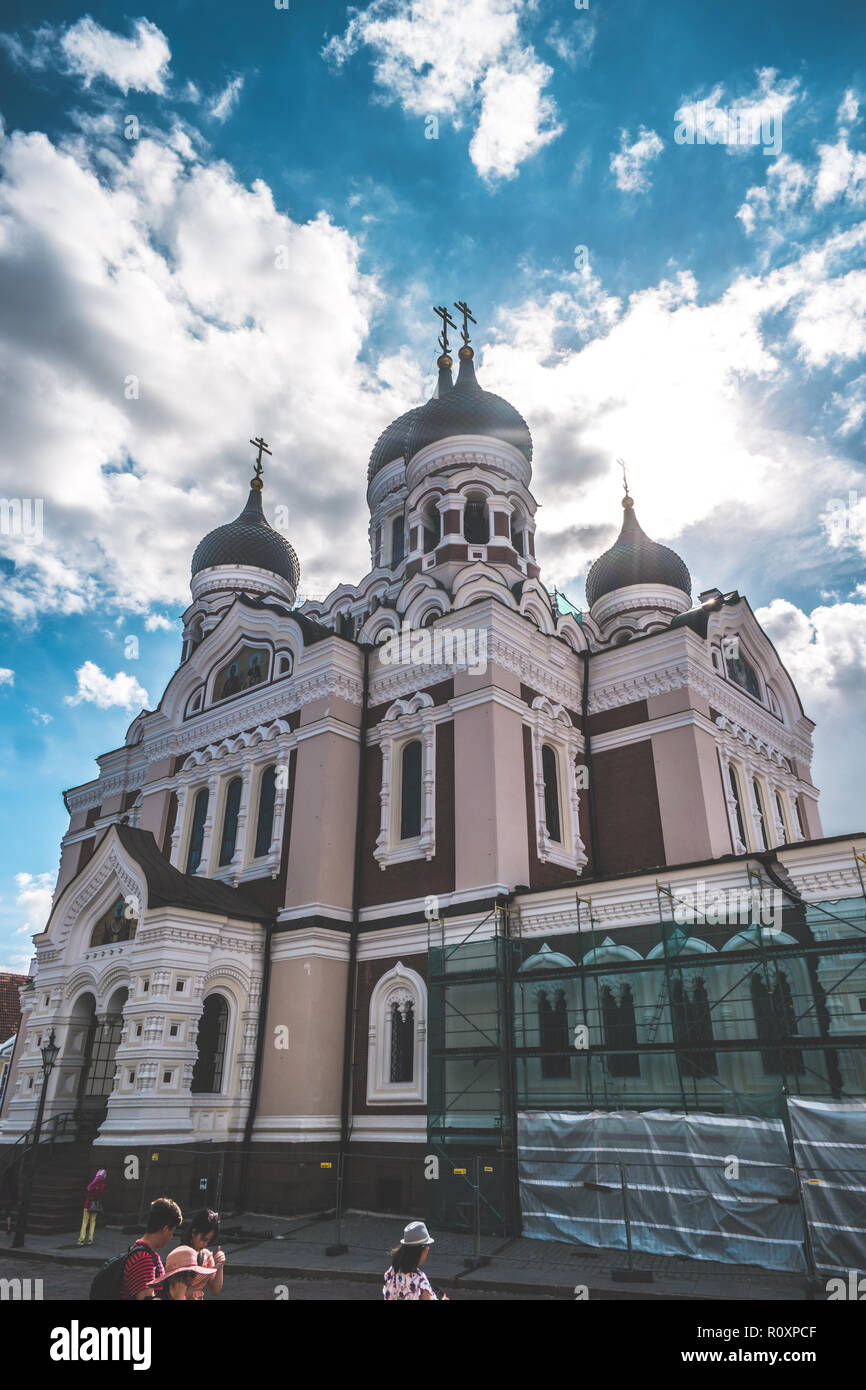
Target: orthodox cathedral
<point>332,795</point>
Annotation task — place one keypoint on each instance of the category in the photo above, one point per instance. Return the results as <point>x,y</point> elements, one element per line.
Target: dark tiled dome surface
<point>248,540</point>
<point>466,409</point>
<point>635,559</point>
<point>391,443</point>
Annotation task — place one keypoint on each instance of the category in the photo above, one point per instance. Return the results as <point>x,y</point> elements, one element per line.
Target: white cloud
<point>742,122</point>
<point>448,57</point>
<point>147,261</point>
<point>223,105</point>
<point>87,51</point>
<point>7,676</point>
<point>95,687</point>
<point>34,899</point>
<point>631,166</point>
<point>158,620</point>
<point>516,119</point>
<point>40,717</point>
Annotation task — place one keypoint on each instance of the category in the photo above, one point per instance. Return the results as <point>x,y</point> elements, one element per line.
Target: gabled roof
<point>168,887</point>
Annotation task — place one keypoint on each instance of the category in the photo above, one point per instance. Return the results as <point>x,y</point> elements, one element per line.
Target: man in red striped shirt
<point>143,1263</point>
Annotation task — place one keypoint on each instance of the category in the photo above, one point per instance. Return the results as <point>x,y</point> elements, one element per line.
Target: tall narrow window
<point>207,1074</point>
<point>476,528</point>
<point>410,791</point>
<point>692,1027</point>
<point>620,1031</point>
<point>762,827</point>
<point>553,1034</point>
<point>397,541</point>
<point>551,793</point>
<point>402,1061</point>
<point>735,788</point>
<point>230,821</point>
<point>780,812</point>
<point>196,838</point>
<point>265,824</point>
<point>799,818</point>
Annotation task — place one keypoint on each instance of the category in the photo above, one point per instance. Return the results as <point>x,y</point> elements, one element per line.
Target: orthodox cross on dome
<point>447,322</point>
<point>263,449</point>
<point>621,463</point>
<point>462,307</point>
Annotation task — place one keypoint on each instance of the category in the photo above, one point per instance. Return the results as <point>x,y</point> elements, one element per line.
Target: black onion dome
<point>391,443</point>
<point>467,409</point>
<point>635,559</point>
<point>248,540</point>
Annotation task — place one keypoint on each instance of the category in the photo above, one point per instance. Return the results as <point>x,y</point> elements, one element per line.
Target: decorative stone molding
<point>405,989</point>
<point>402,723</point>
<point>551,725</point>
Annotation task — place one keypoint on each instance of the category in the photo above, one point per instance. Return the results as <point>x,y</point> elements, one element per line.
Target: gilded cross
<point>463,308</point>
<point>447,322</point>
<point>263,449</point>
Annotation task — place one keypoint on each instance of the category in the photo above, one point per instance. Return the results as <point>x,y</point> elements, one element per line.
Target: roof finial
<point>462,307</point>
<point>628,500</point>
<point>447,322</point>
<point>262,447</point>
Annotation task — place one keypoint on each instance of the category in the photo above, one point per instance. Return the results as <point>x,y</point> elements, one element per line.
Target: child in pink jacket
<point>92,1206</point>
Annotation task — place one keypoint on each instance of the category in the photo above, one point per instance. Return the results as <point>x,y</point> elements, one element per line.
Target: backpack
<point>108,1282</point>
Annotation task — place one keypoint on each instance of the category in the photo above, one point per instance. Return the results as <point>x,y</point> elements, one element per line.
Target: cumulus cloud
<point>125,268</point>
<point>33,897</point>
<point>631,166</point>
<point>459,59</point>
<point>95,687</point>
<point>7,676</point>
<point>87,51</point>
<point>39,716</point>
<point>158,620</point>
<point>516,119</point>
<point>739,123</point>
<point>224,104</point>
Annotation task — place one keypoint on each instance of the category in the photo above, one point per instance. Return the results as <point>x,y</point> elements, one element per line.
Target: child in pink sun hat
<point>181,1272</point>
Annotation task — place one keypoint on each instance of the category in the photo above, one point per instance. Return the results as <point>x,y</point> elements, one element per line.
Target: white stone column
<point>177,832</point>
<point>739,847</point>
<point>241,855</point>
<point>210,818</point>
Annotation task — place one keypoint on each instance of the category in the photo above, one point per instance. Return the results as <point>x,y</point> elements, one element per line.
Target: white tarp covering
<point>830,1149</point>
<point>711,1187</point>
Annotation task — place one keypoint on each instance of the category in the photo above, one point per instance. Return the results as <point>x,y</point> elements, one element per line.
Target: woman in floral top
<point>405,1278</point>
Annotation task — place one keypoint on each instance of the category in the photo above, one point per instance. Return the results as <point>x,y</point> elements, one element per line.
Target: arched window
<point>693,1026</point>
<point>397,541</point>
<point>553,1034</point>
<point>743,673</point>
<point>397,1039</point>
<point>196,837</point>
<point>780,812</point>
<point>410,791</point>
<point>476,528</point>
<point>799,818</point>
<point>402,1058</point>
<point>776,1023</point>
<point>117,924</point>
<point>265,823</point>
<point>207,1074</point>
<point>735,789</point>
<point>759,805</point>
<point>516,536</point>
<point>230,821</point>
<point>551,793</point>
<point>620,1031</point>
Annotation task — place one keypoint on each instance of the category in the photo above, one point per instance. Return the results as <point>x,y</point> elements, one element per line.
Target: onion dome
<point>392,442</point>
<point>248,540</point>
<point>467,409</point>
<point>635,559</point>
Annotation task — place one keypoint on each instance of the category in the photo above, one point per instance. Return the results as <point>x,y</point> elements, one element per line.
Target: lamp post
<point>50,1053</point>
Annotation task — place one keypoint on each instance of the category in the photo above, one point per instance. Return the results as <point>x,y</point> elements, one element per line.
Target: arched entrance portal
<point>99,1066</point>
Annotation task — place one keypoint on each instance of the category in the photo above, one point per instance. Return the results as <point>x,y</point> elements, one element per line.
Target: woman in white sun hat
<point>405,1278</point>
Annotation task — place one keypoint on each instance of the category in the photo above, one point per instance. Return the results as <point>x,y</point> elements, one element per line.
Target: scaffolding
<point>725,1009</point>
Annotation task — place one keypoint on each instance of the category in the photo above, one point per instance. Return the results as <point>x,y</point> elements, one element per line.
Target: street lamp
<point>50,1052</point>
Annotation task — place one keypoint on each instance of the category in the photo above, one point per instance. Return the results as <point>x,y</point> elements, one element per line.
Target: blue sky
<point>711,331</point>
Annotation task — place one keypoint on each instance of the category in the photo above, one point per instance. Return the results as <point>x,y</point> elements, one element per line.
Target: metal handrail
<point>62,1121</point>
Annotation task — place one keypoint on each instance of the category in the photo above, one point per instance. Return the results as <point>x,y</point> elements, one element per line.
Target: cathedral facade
<point>238,948</point>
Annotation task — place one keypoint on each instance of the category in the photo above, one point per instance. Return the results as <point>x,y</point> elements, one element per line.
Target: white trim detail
<point>405,989</point>
<point>406,721</point>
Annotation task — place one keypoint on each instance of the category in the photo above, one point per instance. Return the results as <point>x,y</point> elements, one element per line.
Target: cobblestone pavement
<point>65,1282</point>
